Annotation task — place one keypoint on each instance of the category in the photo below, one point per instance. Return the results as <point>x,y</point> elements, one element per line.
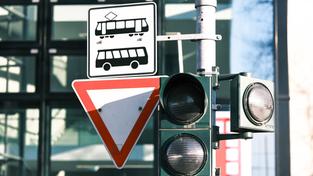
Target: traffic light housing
<point>252,105</point>
<point>184,125</point>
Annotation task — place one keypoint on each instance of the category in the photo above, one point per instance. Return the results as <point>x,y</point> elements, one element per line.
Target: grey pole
<point>282,126</point>
<point>205,24</point>
<point>206,54</point>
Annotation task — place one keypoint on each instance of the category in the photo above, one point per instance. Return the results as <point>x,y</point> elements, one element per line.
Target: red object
<point>230,165</point>
<point>82,86</point>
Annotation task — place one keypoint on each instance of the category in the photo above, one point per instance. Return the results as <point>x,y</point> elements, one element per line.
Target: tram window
<point>130,24</point>
<point>120,24</point>
<point>101,55</point>
<point>144,23</point>
<point>124,54</point>
<point>116,54</point>
<point>132,53</point>
<point>110,25</point>
<point>109,55</point>
<point>140,52</point>
<point>99,26</point>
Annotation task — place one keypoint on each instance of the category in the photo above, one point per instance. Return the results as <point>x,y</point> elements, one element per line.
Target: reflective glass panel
<point>18,22</point>
<point>17,74</point>
<point>31,141</point>
<point>19,131</point>
<point>64,69</point>
<point>69,22</point>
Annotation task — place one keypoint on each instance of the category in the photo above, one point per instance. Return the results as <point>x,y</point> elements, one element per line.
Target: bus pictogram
<point>133,57</point>
<point>127,26</point>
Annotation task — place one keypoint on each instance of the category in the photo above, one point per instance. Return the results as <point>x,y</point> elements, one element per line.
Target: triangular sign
<point>119,109</point>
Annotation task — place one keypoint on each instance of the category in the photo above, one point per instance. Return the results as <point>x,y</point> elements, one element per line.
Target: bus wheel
<point>111,36</point>
<point>134,64</point>
<point>101,37</point>
<point>106,66</point>
<point>130,35</point>
<point>141,34</point>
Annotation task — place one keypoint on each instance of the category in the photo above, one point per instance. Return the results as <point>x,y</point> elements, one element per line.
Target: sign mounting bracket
<point>191,37</point>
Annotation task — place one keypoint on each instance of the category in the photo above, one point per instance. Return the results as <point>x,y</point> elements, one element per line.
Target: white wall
<point>300,58</point>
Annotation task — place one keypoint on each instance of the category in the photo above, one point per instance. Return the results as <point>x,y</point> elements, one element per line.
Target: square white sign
<point>122,40</point>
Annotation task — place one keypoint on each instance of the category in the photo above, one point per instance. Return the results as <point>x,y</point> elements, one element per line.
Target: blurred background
<point>44,130</point>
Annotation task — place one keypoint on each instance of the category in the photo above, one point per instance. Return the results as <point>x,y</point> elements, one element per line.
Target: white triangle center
<point>120,109</point>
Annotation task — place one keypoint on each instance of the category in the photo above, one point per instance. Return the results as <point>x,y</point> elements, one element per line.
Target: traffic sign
<point>119,109</point>
<point>122,40</point>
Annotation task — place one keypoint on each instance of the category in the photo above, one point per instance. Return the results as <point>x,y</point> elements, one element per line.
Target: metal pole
<point>205,24</point>
<point>206,56</point>
<point>282,126</point>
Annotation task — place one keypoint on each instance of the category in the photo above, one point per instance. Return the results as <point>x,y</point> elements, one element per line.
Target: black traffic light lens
<point>184,99</point>
<point>184,154</point>
<point>258,103</point>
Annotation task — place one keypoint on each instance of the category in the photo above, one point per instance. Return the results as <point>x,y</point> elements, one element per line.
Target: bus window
<point>110,25</point>
<point>108,55</point>
<point>101,55</point>
<point>116,54</point>
<point>124,54</point>
<point>132,53</point>
<point>144,23</point>
<point>120,25</point>
<point>130,24</point>
<point>140,52</point>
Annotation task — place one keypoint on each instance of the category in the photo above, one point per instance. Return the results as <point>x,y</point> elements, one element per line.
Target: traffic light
<point>184,137</point>
<point>252,105</point>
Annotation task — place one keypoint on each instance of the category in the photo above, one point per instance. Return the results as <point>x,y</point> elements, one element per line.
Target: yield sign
<point>119,109</point>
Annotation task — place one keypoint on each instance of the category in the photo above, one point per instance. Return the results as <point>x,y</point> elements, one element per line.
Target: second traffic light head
<point>252,105</point>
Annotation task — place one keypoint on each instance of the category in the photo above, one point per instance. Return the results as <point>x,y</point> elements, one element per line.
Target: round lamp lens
<point>185,103</point>
<point>260,103</point>
<point>184,99</point>
<point>185,155</point>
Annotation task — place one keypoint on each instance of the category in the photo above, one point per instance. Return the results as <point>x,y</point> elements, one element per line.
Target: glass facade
<point>39,112</point>
<point>18,22</point>
<point>19,130</point>
<point>64,69</point>
<point>69,22</point>
<point>17,74</point>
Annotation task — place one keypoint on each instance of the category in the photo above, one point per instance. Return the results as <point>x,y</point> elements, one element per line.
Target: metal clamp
<point>199,3</point>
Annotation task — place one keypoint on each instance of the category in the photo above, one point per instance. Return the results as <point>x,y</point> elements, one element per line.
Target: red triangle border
<point>81,87</point>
